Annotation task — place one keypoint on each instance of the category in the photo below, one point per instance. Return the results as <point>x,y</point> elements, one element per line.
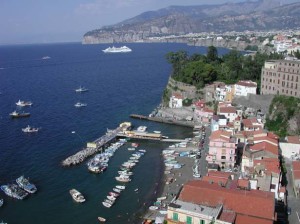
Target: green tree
<point>212,54</point>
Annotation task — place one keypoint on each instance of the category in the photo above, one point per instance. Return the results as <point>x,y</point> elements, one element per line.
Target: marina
<point>95,146</point>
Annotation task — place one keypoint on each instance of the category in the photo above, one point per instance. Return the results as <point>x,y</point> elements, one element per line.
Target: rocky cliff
<point>179,20</point>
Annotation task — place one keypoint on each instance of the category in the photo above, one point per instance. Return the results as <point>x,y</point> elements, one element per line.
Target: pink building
<point>222,149</point>
<point>203,114</point>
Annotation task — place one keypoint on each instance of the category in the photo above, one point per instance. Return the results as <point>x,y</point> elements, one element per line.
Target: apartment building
<point>281,77</point>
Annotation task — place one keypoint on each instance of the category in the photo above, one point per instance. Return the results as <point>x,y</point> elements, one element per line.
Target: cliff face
<point>178,20</point>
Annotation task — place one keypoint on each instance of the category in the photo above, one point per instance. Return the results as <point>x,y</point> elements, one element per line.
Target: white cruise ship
<point>113,49</point>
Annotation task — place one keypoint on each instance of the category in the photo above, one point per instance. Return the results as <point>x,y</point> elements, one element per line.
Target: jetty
<point>164,120</point>
<point>96,146</point>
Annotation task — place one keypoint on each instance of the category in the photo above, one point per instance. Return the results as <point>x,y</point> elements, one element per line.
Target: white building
<point>176,100</point>
<point>244,87</point>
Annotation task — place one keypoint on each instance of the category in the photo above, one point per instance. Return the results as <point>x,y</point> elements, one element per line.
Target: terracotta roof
<point>265,139</point>
<point>243,183</point>
<point>216,180</point>
<point>272,135</point>
<point>293,139</point>
<point>247,83</point>
<point>243,219</point>
<point>254,203</point>
<point>296,174</point>
<point>296,165</point>
<point>227,216</point>
<point>207,110</point>
<point>266,146</point>
<point>177,95</point>
<point>224,104</point>
<point>271,165</point>
<point>220,134</point>
<point>227,110</point>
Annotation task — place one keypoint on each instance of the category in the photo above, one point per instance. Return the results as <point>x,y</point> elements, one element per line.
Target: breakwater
<point>96,145</point>
<point>164,120</point>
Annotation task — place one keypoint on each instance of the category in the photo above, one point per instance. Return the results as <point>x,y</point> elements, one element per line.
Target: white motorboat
<point>110,197</point>
<point>107,205</point>
<point>81,90</point>
<point>29,129</point>
<point>114,194</point>
<point>22,103</point>
<point>113,49</point>
<point>78,104</point>
<point>101,219</point>
<point>117,190</point>
<point>142,128</point>
<point>121,187</point>
<point>77,196</point>
<point>157,132</point>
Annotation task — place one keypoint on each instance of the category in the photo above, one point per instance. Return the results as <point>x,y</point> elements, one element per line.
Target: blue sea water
<point>119,84</point>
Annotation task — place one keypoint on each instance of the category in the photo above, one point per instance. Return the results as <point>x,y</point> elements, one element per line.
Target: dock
<point>164,120</point>
<point>96,146</point>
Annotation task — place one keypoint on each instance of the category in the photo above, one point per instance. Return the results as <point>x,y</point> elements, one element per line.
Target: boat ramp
<point>96,146</point>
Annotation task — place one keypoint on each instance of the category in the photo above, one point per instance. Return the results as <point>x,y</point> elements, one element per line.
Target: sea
<point>119,85</point>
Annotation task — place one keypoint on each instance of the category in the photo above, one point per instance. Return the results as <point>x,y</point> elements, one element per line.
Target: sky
<point>46,21</point>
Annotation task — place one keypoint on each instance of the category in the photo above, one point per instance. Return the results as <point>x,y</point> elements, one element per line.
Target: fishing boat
<point>101,219</point>
<point>113,49</point>
<point>26,185</point>
<point>14,191</point>
<point>81,90</point>
<point>22,103</point>
<point>30,129</point>
<point>107,205</point>
<point>78,104</point>
<point>77,196</point>
<point>16,114</point>
<point>123,179</point>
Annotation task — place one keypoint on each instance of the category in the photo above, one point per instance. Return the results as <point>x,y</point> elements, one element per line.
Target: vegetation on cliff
<point>284,116</point>
<point>199,70</point>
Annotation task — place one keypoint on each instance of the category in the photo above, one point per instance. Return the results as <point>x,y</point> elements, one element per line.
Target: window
<point>175,216</point>
<point>223,157</point>
<point>188,220</point>
<point>202,221</point>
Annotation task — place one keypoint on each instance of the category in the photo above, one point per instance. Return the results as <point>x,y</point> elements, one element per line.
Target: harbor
<point>96,146</point>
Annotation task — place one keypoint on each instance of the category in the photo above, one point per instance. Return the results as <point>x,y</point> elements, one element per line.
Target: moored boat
<point>114,194</point>
<point>1,202</point>
<point>117,190</point>
<point>101,219</point>
<point>110,197</point>
<point>14,191</point>
<point>26,185</point>
<point>77,196</point>
<point>123,179</point>
<point>107,205</point>
<point>121,187</point>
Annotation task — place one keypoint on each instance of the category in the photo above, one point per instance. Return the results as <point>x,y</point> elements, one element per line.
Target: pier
<point>164,120</point>
<point>96,146</point>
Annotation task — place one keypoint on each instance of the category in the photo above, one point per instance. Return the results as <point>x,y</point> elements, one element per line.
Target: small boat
<point>131,149</point>
<point>81,90</point>
<point>123,179</point>
<point>29,129</point>
<point>1,202</point>
<point>77,196</point>
<point>114,194</point>
<point>136,189</point>
<point>26,185</point>
<point>121,187</point>
<point>152,208</point>
<point>22,103</point>
<point>107,205</point>
<point>101,219</point>
<point>16,114</point>
<point>46,57</point>
<point>142,129</point>
<point>117,190</point>
<point>78,104</point>
<point>110,197</point>
<point>14,191</point>
<point>134,144</point>
<point>157,132</point>
<point>109,201</point>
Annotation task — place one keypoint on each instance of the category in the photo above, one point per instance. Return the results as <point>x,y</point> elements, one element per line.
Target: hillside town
<point>251,174</point>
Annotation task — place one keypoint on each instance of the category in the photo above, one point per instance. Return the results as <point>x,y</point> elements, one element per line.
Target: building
<point>176,100</point>
<point>229,112</point>
<point>290,149</point>
<point>245,87</point>
<point>202,202</point>
<point>281,77</point>
<point>222,149</point>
